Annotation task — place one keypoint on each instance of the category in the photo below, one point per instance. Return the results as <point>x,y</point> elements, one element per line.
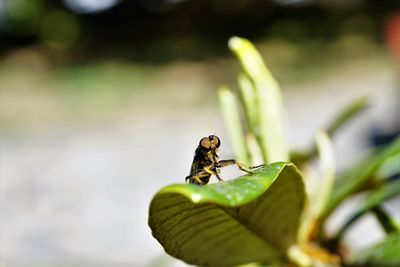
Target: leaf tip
<point>235,42</point>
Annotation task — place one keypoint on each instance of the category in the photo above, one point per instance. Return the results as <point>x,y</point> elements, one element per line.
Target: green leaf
<point>388,224</point>
<point>249,101</point>
<point>356,178</point>
<point>253,218</point>
<point>382,254</point>
<point>319,187</point>
<point>348,113</point>
<point>327,166</point>
<point>231,114</point>
<point>250,105</point>
<point>269,100</point>
<point>374,199</point>
<point>390,168</point>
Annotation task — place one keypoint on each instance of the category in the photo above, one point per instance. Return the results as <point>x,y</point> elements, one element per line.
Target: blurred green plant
<point>276,216</point>
<point>59,29</point>
<point>56,27</point>
<point>23,16</point>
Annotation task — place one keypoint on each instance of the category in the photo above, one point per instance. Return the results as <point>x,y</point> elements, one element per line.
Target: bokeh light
<point>89,6</point>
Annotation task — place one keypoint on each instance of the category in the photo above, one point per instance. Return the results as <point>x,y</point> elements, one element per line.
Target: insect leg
<point>228,162</point>
<point>197,178</point>
<point>208,170</point>
<point>218,177</point>
<point>224,163</point>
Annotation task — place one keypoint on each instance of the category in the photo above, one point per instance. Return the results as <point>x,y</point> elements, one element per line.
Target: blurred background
<point>102,103</point>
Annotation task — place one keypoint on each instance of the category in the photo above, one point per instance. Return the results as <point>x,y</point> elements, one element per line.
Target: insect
<point>206,162</point>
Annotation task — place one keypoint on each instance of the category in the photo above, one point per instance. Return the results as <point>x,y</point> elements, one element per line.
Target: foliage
<point>237,229</point>
<point>277,215</point>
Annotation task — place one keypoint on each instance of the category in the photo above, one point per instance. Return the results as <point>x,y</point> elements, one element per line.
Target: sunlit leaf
<point>269,100</point>
<point>253,218</point>
<point>231,114</point>
<point>319,187</point>
<point>250,102</point>
<point>327,166</point>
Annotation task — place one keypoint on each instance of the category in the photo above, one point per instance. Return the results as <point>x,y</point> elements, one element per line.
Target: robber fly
<point>206,163</point>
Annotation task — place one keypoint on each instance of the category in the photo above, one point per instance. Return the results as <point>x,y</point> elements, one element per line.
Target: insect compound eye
<point>215,140</point>
<point>205,142</point>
